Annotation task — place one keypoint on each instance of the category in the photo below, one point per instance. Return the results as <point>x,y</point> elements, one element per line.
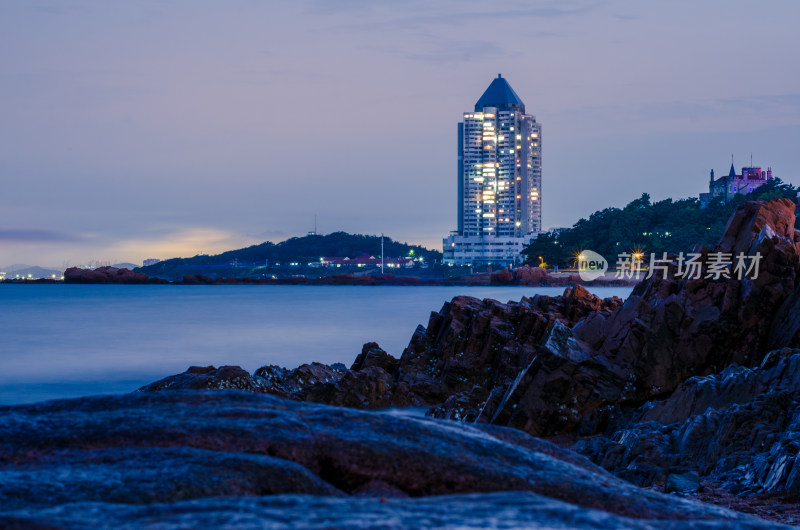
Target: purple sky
<point>131,130</point>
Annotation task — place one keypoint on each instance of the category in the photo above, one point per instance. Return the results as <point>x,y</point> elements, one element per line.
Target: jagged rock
<point>373,355</point>
<point>467,364</point>
<point>307,382</point>
<point>739,428</point>
<point>751,218</point>
<point>189,457</point>
<point>367,388</point>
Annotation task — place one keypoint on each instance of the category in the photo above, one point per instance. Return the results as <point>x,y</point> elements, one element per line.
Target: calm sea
<point>72,340</point>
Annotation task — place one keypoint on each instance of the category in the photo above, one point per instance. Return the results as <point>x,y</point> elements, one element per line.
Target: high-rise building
<point>499,180</point>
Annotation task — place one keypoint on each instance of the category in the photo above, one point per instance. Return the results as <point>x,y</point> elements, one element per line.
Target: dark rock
<point>373,355</point>
<point>682,483</point>
<point>503,277</point>
<point>367,388</point>
<point>739,428</point>
<point>190,457</point>
<point>198,377</point>
<point>532,276</point>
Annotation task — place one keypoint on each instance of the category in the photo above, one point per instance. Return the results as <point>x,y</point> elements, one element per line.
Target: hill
<point>30,271</point>
<point>297,250</point>
<point>671,226</point>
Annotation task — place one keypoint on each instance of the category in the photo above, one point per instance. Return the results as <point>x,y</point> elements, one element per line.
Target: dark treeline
<point>302,250</point>
<point>670,226</point>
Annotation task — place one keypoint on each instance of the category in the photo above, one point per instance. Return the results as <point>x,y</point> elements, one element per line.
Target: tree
<point>670,226</point>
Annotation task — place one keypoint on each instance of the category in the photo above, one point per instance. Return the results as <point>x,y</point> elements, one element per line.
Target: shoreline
<point>292,282</point>
<point>519,277</point>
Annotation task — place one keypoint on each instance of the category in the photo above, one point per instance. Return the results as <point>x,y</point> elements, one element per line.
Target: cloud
<point>271,235</point>
<point>60,8</point>
<point>780,103</point>
<point>458,16</point>
<point>443,51</point>
<point>436,33</point>
<point>760,112</point>
<point>37,236</point>
<point>179,243</point>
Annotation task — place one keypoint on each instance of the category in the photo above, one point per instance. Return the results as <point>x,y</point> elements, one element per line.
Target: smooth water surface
<point>72,340</point>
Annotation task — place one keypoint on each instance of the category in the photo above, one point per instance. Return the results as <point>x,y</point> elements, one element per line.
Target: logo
<point>591,265</point>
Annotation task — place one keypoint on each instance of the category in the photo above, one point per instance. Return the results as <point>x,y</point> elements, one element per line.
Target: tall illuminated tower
<point>499,180</point>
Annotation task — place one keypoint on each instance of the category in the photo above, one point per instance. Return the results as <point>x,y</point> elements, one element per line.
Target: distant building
<point>364,260</point>
<point>731,185</point>
<point>150,261</point>
<point>499,180</point>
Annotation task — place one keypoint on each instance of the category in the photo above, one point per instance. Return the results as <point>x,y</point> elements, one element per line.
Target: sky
<point>165,128</point>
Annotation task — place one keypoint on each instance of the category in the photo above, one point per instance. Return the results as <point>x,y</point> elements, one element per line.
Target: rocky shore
<point>107,275</point>
<point>520,276</point>
<point>568,411</point>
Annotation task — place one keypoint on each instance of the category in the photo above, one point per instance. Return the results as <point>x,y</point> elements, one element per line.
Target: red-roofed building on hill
<point>731,185</point>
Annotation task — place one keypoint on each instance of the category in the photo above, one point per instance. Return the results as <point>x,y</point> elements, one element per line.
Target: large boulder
<point>147,458</point>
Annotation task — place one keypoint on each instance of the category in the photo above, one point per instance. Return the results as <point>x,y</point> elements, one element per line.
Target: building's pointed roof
<point>732,173</point>
<point>499,94</point>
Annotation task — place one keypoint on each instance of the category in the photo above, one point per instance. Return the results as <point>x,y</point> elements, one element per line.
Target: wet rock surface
<point>739,429</point>
<point>217,458</point>
<point>510,510</point>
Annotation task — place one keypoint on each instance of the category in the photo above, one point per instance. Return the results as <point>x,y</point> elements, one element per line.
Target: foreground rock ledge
<point>206,458</point>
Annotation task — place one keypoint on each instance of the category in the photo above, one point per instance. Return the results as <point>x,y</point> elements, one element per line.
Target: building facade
<point>499,180</point>
<point>731,185</point>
